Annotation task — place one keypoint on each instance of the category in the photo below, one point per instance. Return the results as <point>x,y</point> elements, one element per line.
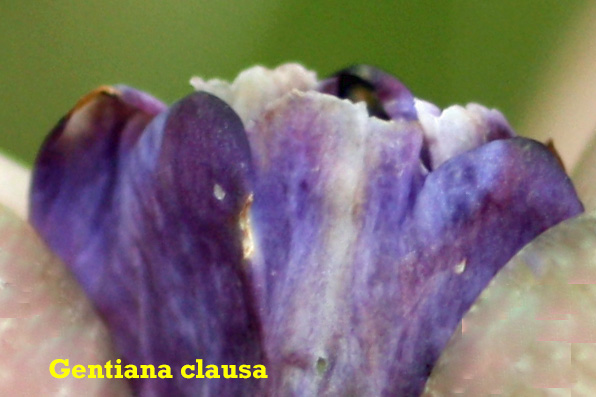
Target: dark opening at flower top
<point>333,231</point>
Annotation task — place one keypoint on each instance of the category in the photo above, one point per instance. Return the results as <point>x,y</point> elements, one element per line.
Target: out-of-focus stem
<point>564,109</point>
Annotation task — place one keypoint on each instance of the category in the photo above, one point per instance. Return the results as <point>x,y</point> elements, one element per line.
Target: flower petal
<point>78,168</point>
<point>255,88</point>
<point>446,133</point>
<point>458,129</point>
<point>363,264</point>
<point>155,238</point>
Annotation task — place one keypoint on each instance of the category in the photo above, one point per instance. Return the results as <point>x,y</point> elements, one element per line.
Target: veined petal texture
<point>337,243</point>
<point>148,223</point>
<point>365,263</point>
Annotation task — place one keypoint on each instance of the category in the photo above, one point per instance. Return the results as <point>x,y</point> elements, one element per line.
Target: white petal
<point>458,129</point>
<point>257,87</point>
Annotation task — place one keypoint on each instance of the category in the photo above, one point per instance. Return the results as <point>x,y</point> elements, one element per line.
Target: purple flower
<point>335,232</point>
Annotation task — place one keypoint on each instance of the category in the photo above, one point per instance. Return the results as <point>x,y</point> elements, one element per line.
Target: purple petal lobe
<point>159,247</point>
<point>77,168</point>
<point>385,96</point>
<point>365,264</point>
<point>472,215</point>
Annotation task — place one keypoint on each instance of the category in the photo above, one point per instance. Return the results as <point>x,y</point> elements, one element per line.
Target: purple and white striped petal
<point>364,264</point>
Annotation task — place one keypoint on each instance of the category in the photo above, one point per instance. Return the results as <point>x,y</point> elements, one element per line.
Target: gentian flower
<point>334,231</point>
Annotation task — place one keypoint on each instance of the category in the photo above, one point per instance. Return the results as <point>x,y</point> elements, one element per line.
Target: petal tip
<point>91,96</point>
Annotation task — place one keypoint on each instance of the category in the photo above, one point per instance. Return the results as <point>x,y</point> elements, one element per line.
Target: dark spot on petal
<point>321,366</point>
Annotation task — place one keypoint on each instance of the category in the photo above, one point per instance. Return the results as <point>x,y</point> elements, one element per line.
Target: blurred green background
<point>455,51</point>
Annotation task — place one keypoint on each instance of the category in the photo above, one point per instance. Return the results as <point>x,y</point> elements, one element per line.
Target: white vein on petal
<point>349,144</point>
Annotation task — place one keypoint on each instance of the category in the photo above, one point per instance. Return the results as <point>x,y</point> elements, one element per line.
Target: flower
<point>334,231</point>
